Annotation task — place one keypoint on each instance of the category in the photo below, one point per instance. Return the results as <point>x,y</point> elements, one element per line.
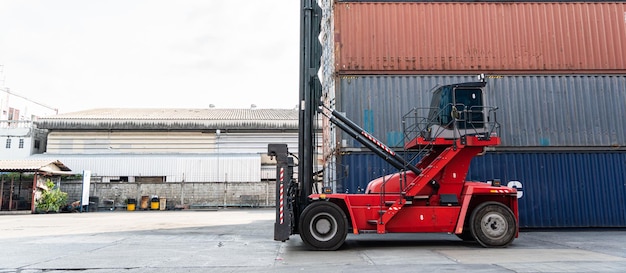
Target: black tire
<point>323,226</point>
<point>466,236</point>
<point>493,225</point>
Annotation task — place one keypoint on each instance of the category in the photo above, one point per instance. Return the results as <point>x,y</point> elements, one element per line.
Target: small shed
<point>40,169</point>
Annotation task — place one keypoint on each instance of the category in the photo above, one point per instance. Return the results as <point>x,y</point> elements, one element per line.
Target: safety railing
<point>450,122</point>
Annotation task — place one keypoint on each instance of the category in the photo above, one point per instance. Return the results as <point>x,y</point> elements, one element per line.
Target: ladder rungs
<point>367,231</point>
<point>389,203</point>
<point>421,197</point>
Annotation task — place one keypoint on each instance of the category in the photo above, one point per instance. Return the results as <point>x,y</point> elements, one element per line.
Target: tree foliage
<point>52,198</point>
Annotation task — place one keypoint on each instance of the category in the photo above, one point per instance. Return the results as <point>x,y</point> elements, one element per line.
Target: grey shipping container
<point>541,111</point>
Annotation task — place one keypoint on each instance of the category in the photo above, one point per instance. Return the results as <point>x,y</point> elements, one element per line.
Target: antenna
<point>9,92</point>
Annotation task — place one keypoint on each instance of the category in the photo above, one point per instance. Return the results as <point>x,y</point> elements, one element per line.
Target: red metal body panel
<point>464,37</point>
<point>363,210</point>
<point>451,178</point>
<point>407,202</point>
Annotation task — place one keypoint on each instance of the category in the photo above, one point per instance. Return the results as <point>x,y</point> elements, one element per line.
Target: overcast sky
<point>77,55</point>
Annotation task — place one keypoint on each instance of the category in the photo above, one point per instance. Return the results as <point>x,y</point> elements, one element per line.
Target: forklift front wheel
<point>466,236</point>
<point>493,224</point>
<point>323,226</point>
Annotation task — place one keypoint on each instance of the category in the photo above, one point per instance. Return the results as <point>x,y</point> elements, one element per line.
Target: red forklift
<point>428,196</point>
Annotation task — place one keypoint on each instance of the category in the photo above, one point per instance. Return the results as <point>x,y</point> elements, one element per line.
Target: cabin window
<point>469,104</point>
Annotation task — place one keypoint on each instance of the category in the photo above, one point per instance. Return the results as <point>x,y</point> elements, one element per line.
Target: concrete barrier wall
<point>194,195</point>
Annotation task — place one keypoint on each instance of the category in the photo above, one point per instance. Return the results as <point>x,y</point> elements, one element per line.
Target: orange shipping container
<point>436,38</point>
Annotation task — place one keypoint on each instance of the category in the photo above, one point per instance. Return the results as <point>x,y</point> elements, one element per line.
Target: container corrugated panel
<point>562,189</point>
<point>534,110</point>
<point>566,189</point>
<point>511,37</point>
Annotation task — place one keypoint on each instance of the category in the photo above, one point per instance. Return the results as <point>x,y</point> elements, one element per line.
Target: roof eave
<point>164,125</point>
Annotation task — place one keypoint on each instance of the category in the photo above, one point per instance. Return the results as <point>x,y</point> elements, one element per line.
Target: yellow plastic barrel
<point>154,203</point>
<point>131,204</point>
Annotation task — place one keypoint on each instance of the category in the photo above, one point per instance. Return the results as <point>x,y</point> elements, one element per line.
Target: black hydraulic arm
<point>368,140</point>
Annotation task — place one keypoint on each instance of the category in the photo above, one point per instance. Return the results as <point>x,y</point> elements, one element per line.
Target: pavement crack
<point>504,269</point>
<point>366,258</point>
<point>113,243</point>
<point>85,269</point>
<point>279,253</point>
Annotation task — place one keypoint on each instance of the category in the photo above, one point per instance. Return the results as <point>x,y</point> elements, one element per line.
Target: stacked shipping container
<point>557,71</point>
<point>447,38</point>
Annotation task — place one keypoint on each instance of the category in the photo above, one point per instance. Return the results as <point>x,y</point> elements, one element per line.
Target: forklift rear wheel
<point>493,224</point>
<point>323,226</point>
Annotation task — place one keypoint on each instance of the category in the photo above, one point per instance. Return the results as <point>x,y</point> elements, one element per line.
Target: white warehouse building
<point>194,157</point>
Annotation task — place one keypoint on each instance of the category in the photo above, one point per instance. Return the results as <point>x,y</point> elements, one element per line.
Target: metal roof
<point>173,118</point>
<point>30,165</point>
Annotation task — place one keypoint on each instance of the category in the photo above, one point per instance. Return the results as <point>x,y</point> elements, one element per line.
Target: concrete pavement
<point>240,240</point>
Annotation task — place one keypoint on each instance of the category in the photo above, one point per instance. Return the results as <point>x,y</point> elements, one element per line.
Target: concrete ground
<point>240,240</point>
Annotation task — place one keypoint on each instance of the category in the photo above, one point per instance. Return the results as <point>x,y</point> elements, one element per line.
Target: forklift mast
<point>310,93</point>
<point>294,194</point>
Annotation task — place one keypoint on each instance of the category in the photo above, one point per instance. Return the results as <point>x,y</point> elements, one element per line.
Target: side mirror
<point>455,113</point>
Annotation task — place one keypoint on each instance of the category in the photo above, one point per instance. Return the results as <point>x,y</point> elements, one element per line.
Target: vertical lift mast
<point>310,91</point>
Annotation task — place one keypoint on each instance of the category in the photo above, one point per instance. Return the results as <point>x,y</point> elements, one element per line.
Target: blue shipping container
<point>560,189</point>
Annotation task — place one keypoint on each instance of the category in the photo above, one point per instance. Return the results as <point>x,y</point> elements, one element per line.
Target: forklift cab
<point>457,110</point>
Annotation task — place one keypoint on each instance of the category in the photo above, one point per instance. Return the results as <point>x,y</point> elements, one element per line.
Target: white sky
<point>78,55</point>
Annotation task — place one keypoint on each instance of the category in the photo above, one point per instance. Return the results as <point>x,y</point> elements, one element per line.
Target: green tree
<point>52,198</point>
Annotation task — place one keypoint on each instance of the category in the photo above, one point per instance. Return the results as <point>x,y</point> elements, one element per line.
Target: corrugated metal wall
<point>564,189</point>
<point>176,168</point>
<point>255,142</point>
<point>141,142</point>
<point>107,142</point>
<point>516,37</point>
<point>177,156</point>
<point>534,110</point>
